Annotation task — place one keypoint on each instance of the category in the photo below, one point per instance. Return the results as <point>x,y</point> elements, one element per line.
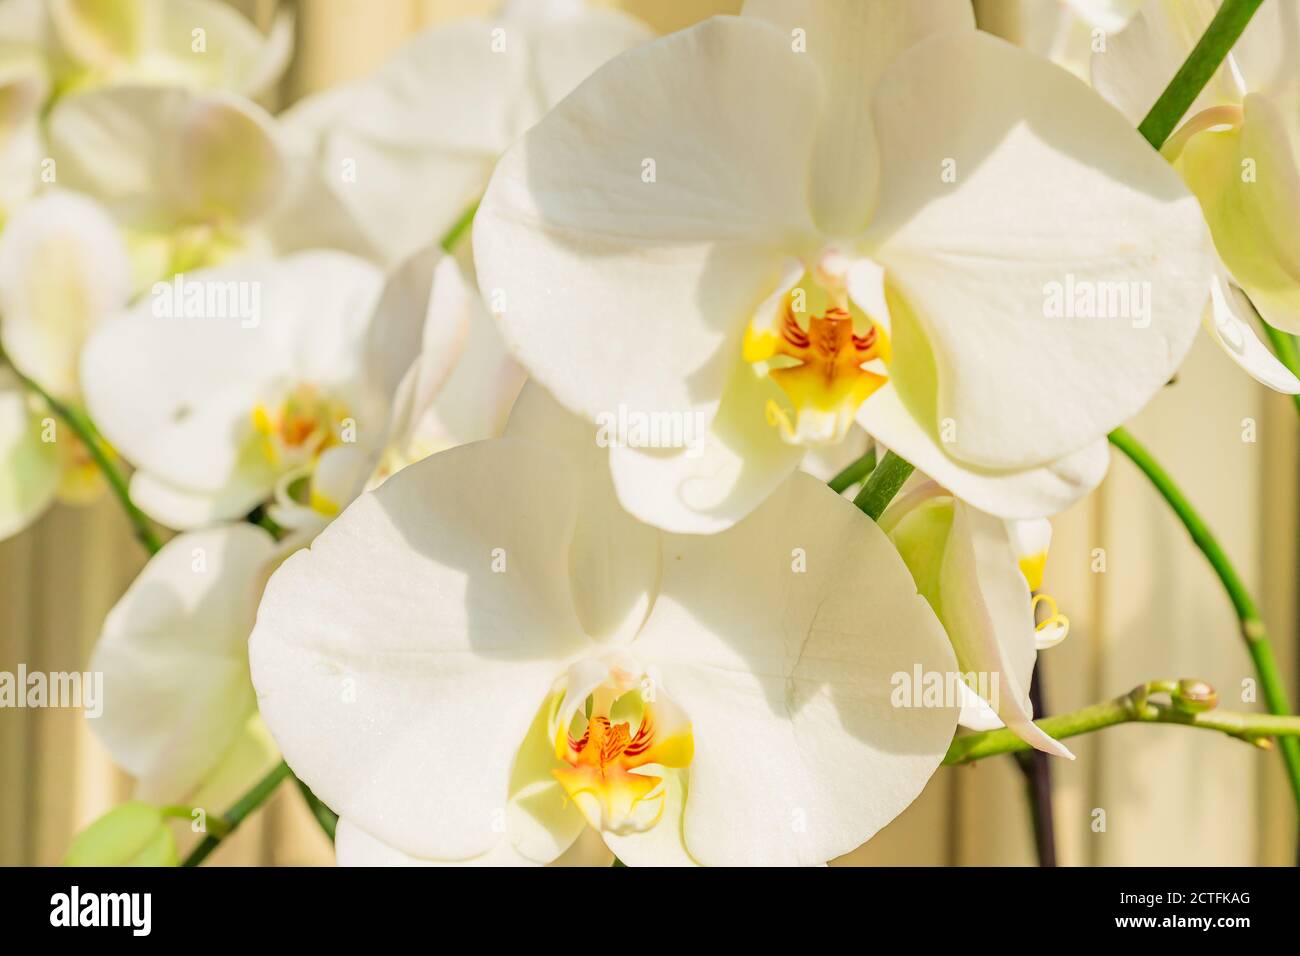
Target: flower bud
<point>1195,696</point>
<point>133,834</point>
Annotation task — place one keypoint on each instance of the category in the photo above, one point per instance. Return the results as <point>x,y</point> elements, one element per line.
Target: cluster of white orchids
<point>487,404</point>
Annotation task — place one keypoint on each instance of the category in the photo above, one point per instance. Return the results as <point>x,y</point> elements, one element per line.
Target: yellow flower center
<point>610,756</point>
<point>814,345</point>
<point>294,431</point>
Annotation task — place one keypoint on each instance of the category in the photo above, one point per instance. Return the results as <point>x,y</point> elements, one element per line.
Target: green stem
<point>216,825</point>
<point>853,473</point>
<point>1134,707</point>
<point>1252,625</point>
<point>326,817</point>
<point>459,228</point>
<point>882,484</point>
<point>89,436</point>
<point>1178,97</point>
<point>236,814</point>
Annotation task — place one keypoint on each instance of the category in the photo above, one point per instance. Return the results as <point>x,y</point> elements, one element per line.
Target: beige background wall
<point>1170,795</point>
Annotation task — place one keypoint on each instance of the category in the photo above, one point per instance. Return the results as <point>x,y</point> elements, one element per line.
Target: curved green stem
<point>242,807</point>
<point>853,473</point>
<point>89,436</point>
<point>882,484</point>
<point>1133,707</point>
<point>1252,625</point>
<point>1178,97</point>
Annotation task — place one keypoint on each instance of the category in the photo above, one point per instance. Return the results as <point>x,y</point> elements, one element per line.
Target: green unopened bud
<point>1195,696</point>
<point>133,834</point>
<point>921,537</point>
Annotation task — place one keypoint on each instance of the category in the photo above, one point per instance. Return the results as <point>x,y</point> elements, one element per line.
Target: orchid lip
<point>296,429</point>
<point>815,343</point>
<point>613,742</point>
<point>1215,118</point>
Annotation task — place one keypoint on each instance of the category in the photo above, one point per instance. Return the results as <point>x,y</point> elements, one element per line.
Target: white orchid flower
<point>180,714</point>
<point>223,383</point>
<point>1239,152</point>
<point>63,272</point>
<point>442,110</point>
<point>766,244</point>
<point>195,178</point>
<point>459,388</point>
<point>486,655</point>
<point>295,383</point>
<point>22,92</point>
<point>201,44</point>
<point>978,572</point>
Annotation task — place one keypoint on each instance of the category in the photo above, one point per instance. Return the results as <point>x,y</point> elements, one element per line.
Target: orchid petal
<point>29,467</point>
<point>392,661</point>
<point>63,270</point>
<point>722,473</point>
<point>779,639</point>
<point>1027,493</point>
<point>1135,66</point>
<point>23,88</point>
<point>413,119</point>
<point>1229,322</point>
<point>1041,180</point>
<point>852,44</point>
<point>164,155</point>
<point>173,657</point>
<point>1111,15</point>
<point>685,248</point>
<point>614,559</point>
<point>354,847</point>
<point>986,609</point>
<point>1247,180</point>
<point>976,714</point>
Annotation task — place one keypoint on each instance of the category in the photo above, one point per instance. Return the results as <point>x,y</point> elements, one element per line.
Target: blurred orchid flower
<point>293,383</point>
<point>30,468</point>
<point>195,178</point>
<point>182,717</point>
<point>1239,152</point>
<point>22,91</point>
<point>836,211</point>
<point>486,656</point>
<point>78,45</point>
<point>174,650</point>
<point>63,272</point>
<point>978,572</point>
<point>131,834</point>
<point>441,111</point>
<point>222,383</point>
